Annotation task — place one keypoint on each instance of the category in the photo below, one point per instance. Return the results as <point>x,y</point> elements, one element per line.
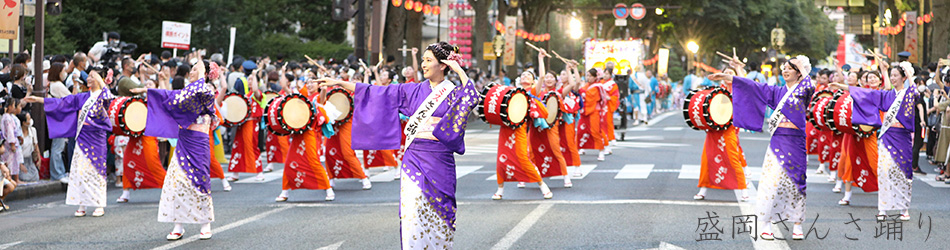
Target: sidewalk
<point>36,189</point>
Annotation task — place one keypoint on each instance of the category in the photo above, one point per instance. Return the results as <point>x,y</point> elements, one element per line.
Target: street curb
<point>37,189</point>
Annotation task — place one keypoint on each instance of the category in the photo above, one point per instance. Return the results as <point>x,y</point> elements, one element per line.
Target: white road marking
<point>635,171</point>
<point>584,168</point>
<point>222,229</point>
<point>388,174</point>
<point>666,246</point>
<point>334,246</point>
<point>277,174</point>
<point>522,227</point>
<point>461,171</point>
<point>931,181</point>
<point>691,172</point>
<point>629,144</point>
<point>532,202</point>
<point>9,245</point>
<point>673,128</point>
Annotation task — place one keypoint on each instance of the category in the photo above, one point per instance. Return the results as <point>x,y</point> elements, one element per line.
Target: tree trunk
<point>482,28</point>
<point>941,30</point>
<point>414,31</point>
<point>395,32</point>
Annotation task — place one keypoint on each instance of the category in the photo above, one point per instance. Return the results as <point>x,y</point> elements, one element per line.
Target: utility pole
<point>37,112</point>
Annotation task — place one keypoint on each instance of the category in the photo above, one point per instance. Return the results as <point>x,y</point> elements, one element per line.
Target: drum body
<point>504,105</point>
<point>290,114</point>
<point>552,102</point>
<point>342,100</point>
<point>128,115</point>
<point>819,105</point>
<point>708,109</point>
<point>838,117</point>
<point>237,109</point>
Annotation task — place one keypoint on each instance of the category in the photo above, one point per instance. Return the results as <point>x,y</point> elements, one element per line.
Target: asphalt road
<point>639,198</point>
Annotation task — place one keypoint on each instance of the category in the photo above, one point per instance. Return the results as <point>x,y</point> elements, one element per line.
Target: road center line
<point>222,229</point>
<point>522,227</point>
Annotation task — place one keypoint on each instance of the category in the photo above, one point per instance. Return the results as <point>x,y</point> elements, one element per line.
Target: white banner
<point>511,26</point>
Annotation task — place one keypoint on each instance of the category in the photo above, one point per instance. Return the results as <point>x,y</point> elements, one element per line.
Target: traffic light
<point>343,10</point>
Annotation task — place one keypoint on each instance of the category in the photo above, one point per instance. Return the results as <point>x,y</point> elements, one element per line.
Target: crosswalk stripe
<point>268,177</point>
<point>386,175</point>
<point>585,169</point>
<point>932,182</point>
<point>635,171</point>
<point>461,171</point>
<point>673,128</point>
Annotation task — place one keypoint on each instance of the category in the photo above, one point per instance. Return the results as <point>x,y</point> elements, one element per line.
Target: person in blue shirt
<point>654,85</point>
<point>504,76</point>
<point>688,81</point>
<point>755,75</point>
<point>633,99</point>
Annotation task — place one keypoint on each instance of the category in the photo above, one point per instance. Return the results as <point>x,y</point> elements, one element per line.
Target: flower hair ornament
<point>108,79</point>
<point>803,65</point>
<point>215,71</point>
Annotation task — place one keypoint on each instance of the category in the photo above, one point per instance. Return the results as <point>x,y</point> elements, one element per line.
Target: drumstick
<point>559,57</point>
<point>535,47</point>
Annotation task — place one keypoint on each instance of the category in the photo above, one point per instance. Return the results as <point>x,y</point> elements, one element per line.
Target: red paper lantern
<point>427,9</point>
<point>397,3</point>
<point>436,10</point>
<point>409,4</point>
<point>417,7</point>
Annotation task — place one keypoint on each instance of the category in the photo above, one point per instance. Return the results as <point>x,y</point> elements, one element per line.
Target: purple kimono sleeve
<point>868,104</point>
<point>451,129</point>
<point>61,114</point>
<point>170,110</point>
<point>376,116</point>
<point>749,99</point>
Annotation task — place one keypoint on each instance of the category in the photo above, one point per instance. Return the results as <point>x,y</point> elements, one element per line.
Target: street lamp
<point>692,47</point>
<point>575,28</point>
<point>659,11</point>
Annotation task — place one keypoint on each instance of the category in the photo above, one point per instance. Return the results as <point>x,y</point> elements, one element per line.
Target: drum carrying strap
<point>425,111</point>
<point>251,97</point>
<point>777,115</point>
<point>891,116</point>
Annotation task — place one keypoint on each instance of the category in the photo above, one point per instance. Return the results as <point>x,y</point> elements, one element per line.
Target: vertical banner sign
<point>176,35</point>
<point>378,26</point>
<point>910,36</point>
<point>9,20</point>
<point>664,61</point>
<point>511,25</point>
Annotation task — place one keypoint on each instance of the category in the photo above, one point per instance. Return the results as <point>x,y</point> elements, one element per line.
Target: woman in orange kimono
<point>245,153</point>
<point>303,169</point>
<point>545,138</point>
<point>142,166</point>
<point>589,131</point>
<point>514,155</point>
<point>858,164</point>
<point>607,122</point>
<point>819,142</point>
<point>341,160</point>
<point>570,105</point>
<point>214,140</point>
<point>717,173</point>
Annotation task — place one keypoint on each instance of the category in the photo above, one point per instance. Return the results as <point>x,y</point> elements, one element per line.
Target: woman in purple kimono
<point>84,116</point>
<point>434,132</point>
<point>186,114</point>
<point>894,173</point>
<point>781,193</point>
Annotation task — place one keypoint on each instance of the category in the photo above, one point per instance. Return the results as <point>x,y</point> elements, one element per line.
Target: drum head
<point>866,128</point>
<point>296,113</point>
<point>517,107</point>
<point>135,116</point>
<point>720,109</point>
<point>237,108</point>
<point>269,95</point>
<point>552,105</point>
<point>342,103</point>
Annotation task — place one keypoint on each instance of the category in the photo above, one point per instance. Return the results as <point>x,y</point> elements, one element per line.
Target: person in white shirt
<point>58,90</point>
